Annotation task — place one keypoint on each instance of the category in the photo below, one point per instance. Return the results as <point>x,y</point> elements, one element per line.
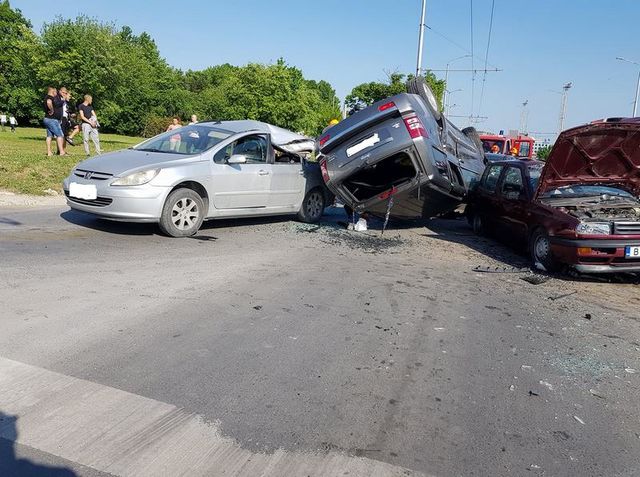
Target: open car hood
<point>606,152</point>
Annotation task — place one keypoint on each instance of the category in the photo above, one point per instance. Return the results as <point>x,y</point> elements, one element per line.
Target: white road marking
<point>129,435</point>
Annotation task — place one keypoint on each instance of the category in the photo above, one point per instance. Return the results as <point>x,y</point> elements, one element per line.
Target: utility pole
<point>421,37</point>
<point>523,117</point>
<point>563,106</point>
<point>635,101</point>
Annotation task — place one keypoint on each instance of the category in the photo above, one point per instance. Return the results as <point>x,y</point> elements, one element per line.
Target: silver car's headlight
<point>137,178</point>
<point>593,228</point>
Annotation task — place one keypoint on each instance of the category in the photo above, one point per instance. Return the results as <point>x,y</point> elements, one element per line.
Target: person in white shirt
<point>13,123</point>
<point>194,119</point>
<point>3,120</point>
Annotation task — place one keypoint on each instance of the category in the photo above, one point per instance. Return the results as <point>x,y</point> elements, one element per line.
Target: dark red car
<point>580,208</point>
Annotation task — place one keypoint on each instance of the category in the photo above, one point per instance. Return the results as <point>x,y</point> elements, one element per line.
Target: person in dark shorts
<point>52,106</point>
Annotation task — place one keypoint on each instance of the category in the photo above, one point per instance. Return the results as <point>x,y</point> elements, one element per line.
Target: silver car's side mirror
<point>237,159</point>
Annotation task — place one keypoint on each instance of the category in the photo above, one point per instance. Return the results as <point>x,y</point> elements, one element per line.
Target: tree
<point>19,48</point>
<point>368,93</point>
<point>543,153</point>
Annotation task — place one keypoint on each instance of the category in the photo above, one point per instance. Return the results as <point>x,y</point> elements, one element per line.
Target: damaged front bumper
<point>596,255</point>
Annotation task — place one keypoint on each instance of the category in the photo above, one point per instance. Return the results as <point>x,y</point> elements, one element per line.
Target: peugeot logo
<point>88,175</point>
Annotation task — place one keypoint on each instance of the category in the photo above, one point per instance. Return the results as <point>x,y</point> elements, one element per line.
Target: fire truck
<point>523,144</point>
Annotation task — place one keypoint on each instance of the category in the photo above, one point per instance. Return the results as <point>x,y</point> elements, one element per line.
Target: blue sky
<point>539,45</point>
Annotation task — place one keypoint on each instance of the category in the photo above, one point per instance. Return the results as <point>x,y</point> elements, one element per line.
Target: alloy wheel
<point>314,204</point>
<point>185,213</point>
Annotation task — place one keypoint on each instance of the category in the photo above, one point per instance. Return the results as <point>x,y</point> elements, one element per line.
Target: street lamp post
<point>563,106</point>
<point>635,101</point>
<point>446,80</point>
<point>421,38</point>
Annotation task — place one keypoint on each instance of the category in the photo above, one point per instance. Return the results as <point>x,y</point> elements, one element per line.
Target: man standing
<point>52,114</point>
<point>194,119</point>
<point>13,122</point>
<point>69,127</point>
<point>3,120</point>
<point>89,121</point>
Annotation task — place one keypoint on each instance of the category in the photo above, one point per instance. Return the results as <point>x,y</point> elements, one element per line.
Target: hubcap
<point>185,213</point>
<point>314,204</point>
<point>542,248</point>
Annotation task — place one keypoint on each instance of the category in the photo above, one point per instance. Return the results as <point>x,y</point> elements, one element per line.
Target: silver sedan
<point>202,171</point>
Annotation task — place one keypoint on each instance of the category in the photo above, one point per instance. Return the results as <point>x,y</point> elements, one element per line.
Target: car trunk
<point>380,177</point>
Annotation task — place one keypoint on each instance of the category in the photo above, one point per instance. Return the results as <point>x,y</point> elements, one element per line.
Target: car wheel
<point>182,214</point>
<point>420,87</point>
<point>540,251</point>
<point>312,207</point>
<point>478,225</point>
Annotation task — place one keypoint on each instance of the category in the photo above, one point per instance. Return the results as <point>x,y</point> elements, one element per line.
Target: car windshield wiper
<point>147,149</point>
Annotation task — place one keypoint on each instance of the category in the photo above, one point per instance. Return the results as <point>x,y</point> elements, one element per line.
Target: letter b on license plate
<point>632,252</point>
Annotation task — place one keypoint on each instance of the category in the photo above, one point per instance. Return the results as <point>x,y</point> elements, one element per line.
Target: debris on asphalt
<point>564,295</point>
<point>531,393</point>
<point>536,279</point>
<point>547,385</point>
<point>489,269</point>
<point>257,307</point>
<point>587,316</point>
<point>512,387</point>
<point>359,226</point>
<point>630,370</point>
<point>525,366</point>
<point>596,394</point>
<point>334,234</point>
<point>578,419</point>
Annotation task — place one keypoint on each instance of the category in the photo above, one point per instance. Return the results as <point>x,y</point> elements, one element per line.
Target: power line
<point>486,56</point>
<point>473,75</point>
<point>453,42</point>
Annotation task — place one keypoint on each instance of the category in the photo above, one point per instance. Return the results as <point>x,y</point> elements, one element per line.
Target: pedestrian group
<point>62,122</point>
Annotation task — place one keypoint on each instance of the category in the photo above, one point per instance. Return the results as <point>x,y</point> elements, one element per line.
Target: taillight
<point>415,127</point>
<point>324,139</point>
<point>386,106</point>
<point>323,169</point>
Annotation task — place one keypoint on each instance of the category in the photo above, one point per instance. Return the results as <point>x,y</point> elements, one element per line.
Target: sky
<point>538,46</point>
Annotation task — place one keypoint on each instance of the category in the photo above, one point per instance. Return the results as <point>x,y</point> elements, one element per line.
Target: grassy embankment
<point>25,167</point>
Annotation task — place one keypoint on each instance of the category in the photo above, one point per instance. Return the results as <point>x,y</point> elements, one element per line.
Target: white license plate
<point>83,191</point>
<point>632,252</point>
<point>362,145</point>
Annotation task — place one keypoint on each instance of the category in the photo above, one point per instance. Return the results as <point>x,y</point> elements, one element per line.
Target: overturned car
<point>401,148</point>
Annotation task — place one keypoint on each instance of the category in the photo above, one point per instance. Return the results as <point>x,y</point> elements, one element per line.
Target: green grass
<point>26,169</point>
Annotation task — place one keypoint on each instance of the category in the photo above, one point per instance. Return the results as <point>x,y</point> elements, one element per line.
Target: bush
<point>154,125</point>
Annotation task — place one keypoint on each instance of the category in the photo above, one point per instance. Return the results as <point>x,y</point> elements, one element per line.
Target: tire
<point>478,225</point>
<point>472,134</point>
<point>420,87</point>
<point>182,214</point>
<point>540,251</point>
<point>312,206</point>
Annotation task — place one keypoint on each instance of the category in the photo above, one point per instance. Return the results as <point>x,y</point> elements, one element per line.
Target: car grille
<point>98,202</point>
<point>92,175</point>
<point>626,228</point>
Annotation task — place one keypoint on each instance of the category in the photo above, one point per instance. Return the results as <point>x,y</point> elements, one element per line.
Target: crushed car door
<point>513,203</point>
<point>242,185</point>
<point>287,181</point>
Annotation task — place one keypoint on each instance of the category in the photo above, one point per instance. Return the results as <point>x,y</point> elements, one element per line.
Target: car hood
<point>119,162</point>
<point>606,153</point>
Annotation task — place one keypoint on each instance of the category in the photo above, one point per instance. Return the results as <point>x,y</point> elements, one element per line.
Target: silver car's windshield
<point>187,140</point>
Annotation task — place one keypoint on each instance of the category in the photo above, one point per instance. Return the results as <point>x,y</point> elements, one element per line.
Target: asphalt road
<point>269,347</point>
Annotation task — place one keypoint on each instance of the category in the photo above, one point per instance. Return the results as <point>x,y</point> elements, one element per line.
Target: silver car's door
<point>242,186</point>
<point>287,182</point>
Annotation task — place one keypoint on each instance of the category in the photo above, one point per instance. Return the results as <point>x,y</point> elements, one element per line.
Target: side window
<point>254,148</point>
<point>513,184</point>
<point>490,180</point>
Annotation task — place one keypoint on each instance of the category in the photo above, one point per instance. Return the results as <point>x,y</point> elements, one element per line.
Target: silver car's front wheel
<point>312,206</point>
<point>182,214</point>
